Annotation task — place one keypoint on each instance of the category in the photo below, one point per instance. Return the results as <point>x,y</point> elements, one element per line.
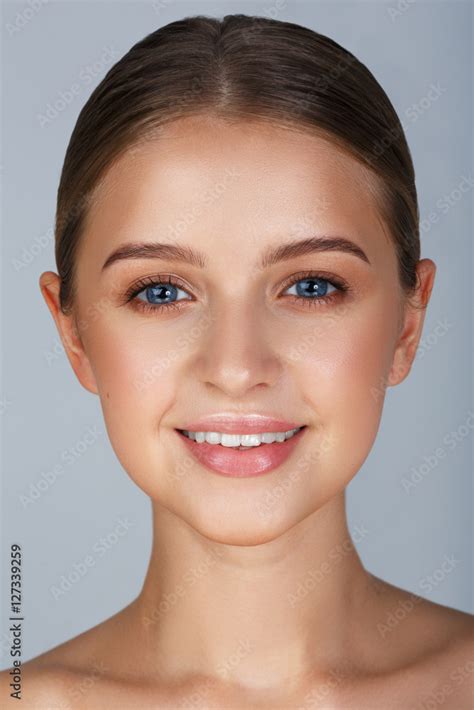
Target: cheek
<point>344,374</point>
<point>136,376</point>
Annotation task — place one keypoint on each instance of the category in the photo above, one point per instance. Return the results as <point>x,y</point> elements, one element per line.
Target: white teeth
<point>240,440</point>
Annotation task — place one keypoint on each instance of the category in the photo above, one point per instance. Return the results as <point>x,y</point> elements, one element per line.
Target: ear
<point>67,327</point>
<point>413,317</point>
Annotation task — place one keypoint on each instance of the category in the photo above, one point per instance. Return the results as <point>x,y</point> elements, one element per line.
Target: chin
<point>248,528</point>
<point>241,538</point>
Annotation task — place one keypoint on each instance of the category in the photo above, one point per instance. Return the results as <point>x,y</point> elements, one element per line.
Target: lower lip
<point>242,464</point>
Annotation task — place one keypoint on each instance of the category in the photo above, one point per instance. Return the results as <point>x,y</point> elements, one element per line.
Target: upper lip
<point>228,424</point>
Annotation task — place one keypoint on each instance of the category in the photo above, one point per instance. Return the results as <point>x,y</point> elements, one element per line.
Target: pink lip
<point>228,424</point>
<point>241,464</point>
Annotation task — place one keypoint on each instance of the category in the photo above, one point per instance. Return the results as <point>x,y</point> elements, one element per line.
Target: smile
<point>241,455</point>
<point>239,441</point>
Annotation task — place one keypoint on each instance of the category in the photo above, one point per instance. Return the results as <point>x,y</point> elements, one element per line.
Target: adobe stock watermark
<point>316,696</point>
<point>184,467</point>
<point>440,694</point>
<point>275,494</point>
<point>81,567</point>
<point>5,402</point>
<point>188,579</point>
<point>272,12</point>
<point>417,109</point>
<point>319,85</point>
<point>430,461</point>
<point>67,458</point>
<point>303,226</point>
<point>6,642</point>
<point>378,391</point>
<point>161,363</point>
<point>412,113</point>
<point>160,5</point>
<point>446,202</point>
<point>92,313</point>
<point>317,574</point>
<point>198,698</point>
<point>427,584</point>
<point>87,74</point>
<point>25,16</point>
<point>427,342</point>
<point>399,8</point>
<point>29,253</point>
<point>77,691</point>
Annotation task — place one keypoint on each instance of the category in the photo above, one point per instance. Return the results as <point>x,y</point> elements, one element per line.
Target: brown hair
<point>238,67</point>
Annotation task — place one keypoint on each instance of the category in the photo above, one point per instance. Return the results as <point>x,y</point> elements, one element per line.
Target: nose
<point>238,353</point>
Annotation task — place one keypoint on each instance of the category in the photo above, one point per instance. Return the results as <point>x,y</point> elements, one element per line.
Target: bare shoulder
<point>430,646</point>
<point>434,625</point>
<point>458,652</point>
<point>61,678</point>
<point>448,671</point>
<point>35,689</point>
<point>49,681</point>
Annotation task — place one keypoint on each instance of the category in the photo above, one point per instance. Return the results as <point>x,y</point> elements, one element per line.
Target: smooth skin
<point>229,553</point>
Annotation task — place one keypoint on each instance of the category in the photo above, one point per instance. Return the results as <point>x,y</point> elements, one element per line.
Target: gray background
<point>426,429</point>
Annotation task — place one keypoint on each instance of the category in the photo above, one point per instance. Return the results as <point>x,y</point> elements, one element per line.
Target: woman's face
<point>241,338</point>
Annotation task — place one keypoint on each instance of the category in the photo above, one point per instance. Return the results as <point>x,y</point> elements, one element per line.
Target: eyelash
<point>142,284</point>
<point>139,286</point>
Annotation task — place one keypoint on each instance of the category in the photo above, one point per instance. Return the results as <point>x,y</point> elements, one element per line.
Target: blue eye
<point>158,292</point>
<point>314,287</point>
<point>154,293</point>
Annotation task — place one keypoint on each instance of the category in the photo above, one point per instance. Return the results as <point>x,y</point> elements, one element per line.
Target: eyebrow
<point>186,254</point>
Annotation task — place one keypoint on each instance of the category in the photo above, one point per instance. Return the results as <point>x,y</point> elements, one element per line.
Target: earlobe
<point>412,324</point>
<point>49,283</point>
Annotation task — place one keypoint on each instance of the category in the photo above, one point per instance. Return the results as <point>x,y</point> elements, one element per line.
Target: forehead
<point>224,185</point>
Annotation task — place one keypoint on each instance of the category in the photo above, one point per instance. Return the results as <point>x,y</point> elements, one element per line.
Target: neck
<point>256,616</point>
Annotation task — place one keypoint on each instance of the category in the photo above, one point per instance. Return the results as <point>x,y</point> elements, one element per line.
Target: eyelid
<point>336,281</point>
<point>141,284</point>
